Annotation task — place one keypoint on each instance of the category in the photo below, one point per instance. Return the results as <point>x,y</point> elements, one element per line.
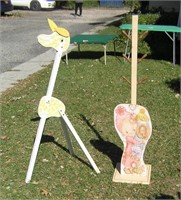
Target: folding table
<point>150,27</point>
<point>93,39</point>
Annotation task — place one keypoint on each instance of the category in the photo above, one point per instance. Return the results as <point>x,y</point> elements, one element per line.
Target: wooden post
<point>134,60</point>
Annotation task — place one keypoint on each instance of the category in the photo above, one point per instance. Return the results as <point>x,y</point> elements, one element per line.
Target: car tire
<point>35,6</point>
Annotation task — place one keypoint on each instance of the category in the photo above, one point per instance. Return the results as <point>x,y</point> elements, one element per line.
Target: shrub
<point>161,18</point>
<point>143,18</point>
<point>69,4</point>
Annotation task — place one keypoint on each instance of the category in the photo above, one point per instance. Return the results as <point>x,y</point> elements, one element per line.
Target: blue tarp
<point>111,3</point>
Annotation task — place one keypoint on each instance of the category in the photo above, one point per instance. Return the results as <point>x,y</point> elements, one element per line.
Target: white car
<point>34,4</point>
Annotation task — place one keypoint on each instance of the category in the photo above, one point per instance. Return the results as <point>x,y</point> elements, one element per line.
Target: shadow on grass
<point>92,54</point>
<point>163,196</point>
<point>179,195</point>
<point>174,84</point>
<point>96,23</point>
<point>35,119</point>
<point>107,148</point>
<point>89,54</point>
<point>49,138</point>
<point>117,22</point>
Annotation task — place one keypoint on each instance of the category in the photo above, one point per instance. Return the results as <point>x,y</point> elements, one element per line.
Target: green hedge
<point>69,4</point>
<point>143,18</point>
<point>147,45</point>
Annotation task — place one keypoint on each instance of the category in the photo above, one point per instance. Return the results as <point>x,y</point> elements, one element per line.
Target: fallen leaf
<point>4,137</point>
<point>35,182</point>
<point>45,160</point>
<point>44,192</point>
<point>16,98</point>
<point>177,95</point>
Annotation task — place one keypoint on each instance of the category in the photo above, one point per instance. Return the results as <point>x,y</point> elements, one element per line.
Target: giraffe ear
<point>52,25</point>
<point>59,30</point>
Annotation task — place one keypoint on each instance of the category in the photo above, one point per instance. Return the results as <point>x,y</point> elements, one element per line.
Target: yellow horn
<point>59,30</point>
<point>52,25</point>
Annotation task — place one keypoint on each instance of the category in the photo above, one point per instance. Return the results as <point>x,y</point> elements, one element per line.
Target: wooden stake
<point>134,60</point>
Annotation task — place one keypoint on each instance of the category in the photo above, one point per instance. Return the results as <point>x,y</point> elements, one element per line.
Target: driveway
<point>19,33</point>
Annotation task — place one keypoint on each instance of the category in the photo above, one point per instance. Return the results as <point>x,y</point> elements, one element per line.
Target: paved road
<point>19,44</point>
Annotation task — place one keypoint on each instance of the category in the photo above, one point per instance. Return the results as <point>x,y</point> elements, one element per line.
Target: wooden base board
<point>131,178</point>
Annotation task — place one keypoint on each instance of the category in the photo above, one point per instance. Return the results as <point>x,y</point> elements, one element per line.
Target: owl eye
<point>62,40</point>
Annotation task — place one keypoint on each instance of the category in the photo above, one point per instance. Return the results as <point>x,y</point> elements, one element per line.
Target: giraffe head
<point>59,39</point>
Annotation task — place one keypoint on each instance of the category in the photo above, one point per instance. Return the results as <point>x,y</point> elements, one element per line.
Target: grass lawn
<point>90,90</point>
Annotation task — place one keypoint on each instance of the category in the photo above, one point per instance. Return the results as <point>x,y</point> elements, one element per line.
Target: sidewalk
<point>10,78</point>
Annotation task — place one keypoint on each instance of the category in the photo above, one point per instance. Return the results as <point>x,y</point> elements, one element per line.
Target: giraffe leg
<point>67,137</point>
<point>64,116</point>
<point>35,150</point>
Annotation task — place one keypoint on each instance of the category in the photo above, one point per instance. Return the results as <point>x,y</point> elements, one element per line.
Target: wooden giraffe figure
<point>133,125</point>
<point>50,106</point>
